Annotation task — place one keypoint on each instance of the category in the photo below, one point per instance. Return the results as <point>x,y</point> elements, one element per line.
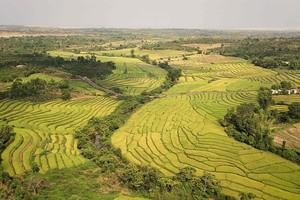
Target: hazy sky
<point>270,14</point>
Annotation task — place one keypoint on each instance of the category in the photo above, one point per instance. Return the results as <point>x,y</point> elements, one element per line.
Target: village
<point>286,92</point>
<point>285,88</point>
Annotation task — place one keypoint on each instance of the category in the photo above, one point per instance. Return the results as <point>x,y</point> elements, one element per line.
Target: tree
<point>145,58</point>
<point>167,184</point>
<point>132,177</point>
<point>35,167</point>
<point>199,51</point>
<point>6,136</point>
<point>132,53</point>
<point>34,87</point>
<point>264,98</point>
<point>80,59</point>
<point>286,85</point>
<point>64,84</point>
<point>93,58</point>
<point>294,110</point>
<point>35,184</point>
<point>207,185</point>
<point>66,94</point>
<point>186,174</point>
<point>269,63</point>
<point>246,196</point>
<point>17,89</point>
<point>276,87</point>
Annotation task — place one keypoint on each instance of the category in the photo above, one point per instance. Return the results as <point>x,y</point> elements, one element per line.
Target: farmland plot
<point>44,131</point>
<point>181,129</point>
<point>132,76</point>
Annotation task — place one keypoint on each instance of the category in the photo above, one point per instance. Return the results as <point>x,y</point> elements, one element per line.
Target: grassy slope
<point>183,130</point>
<point>81,182</point>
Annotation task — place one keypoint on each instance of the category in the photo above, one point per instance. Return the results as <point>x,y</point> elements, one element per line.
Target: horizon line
<point>160,28</point>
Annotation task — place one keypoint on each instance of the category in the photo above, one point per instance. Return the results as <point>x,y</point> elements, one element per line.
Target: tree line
<point>83,66</point>
<point>37,90</point>
<point>267,52</point>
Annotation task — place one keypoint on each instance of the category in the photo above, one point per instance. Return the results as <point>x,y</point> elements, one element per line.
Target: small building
<point>294,91</point>
<point>288,92</point>
<point>285,63</point>
<point>276,91</point>
<point>20,66</point>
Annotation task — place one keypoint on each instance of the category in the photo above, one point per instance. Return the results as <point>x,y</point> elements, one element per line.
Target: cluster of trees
<point>284,85</point>
<point>9,74</point>
<point>7,136</point>
<point>88,67</point>
<point>82,66</point>
<point>65,89</point>
<point>268,52</point>
<point>184,185</point>
<point>34,87</point>
<point>45,43</point>
<point>291,116</point>
<point>37,90</point>
<point>179,43</point>
<point>266,62</point>
<point>18,188</point>
<point>246,124</point>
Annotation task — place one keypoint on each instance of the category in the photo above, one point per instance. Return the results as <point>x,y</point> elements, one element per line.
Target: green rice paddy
<point>181,129</point>
<point>44,131</point>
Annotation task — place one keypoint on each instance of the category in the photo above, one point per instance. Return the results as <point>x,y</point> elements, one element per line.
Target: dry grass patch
<point>206,46</point>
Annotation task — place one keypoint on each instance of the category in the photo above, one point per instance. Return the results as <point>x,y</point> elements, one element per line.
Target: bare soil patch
<point>291,136</point>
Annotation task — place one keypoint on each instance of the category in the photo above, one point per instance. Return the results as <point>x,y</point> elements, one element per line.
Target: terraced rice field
<point>291,135</point>
<point>45,77</point>
<point>288,99</point>
<point>44,131</point>
<point>181,129</point>
<point>169,139</point>
<point>132,76</point>
<point>81,87</point>
<point>217,73</point>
